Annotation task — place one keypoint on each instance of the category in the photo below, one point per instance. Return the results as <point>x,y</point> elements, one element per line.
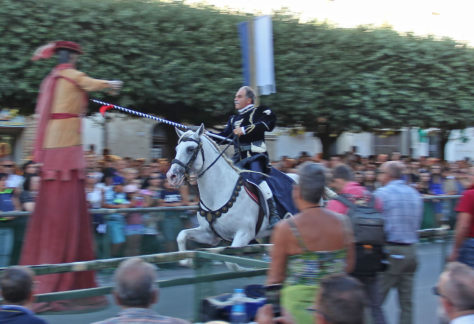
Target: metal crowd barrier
<point>434,226</point>
<point>108,211</point>
<point>441,197</point>
<point>201,278</point>
<point>10,255</point>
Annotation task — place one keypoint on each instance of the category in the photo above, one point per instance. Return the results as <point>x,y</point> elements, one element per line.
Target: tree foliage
<point>185,64</point>
<point>364,79</point>
<point>174,60</point>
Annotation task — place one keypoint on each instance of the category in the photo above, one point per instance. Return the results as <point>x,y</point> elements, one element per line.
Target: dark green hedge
<point>184,63</point>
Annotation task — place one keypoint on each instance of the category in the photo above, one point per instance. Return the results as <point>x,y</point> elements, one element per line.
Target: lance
<point>107,106</point>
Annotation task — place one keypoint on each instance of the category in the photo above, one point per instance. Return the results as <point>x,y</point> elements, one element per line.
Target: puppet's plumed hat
<point>48,50</point>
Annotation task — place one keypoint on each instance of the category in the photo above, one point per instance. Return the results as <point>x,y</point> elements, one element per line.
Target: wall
<point>364,143</point>
<point>456,149</point>
<point>280,143</point>
<point>23,140</point>
<point>126,136</point>
<point>133,137</point>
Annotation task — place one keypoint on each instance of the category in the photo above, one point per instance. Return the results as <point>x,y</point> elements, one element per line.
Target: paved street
<point>179,302</point>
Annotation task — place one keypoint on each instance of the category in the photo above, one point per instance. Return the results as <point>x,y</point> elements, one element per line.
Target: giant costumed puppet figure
<point>59,230</point>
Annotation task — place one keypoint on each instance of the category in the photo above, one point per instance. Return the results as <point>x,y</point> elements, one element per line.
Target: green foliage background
<point>185,64</point>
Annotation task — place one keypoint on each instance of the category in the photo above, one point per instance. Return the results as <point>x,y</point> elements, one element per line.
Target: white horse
<point>226,209</point>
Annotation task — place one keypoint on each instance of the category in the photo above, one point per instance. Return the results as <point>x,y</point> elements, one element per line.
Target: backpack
<point>369,235</point>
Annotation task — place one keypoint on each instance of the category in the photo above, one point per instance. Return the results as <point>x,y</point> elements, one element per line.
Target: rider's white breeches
<point>267,193</point>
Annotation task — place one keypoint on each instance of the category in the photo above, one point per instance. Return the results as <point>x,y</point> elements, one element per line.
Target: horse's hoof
<point>188,263</point>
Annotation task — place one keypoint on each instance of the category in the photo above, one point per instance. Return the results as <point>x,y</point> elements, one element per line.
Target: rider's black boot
<point>273,213</point>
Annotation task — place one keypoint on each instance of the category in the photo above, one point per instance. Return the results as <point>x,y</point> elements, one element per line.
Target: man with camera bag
<point>363,210</point>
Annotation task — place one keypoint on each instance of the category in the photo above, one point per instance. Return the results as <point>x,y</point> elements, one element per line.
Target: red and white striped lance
<point>107,106</point>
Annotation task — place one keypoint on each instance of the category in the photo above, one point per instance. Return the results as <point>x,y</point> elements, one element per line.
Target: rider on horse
<point>249,126</point>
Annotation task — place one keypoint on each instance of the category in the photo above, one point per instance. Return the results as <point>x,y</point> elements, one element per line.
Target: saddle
<point>281,186</point>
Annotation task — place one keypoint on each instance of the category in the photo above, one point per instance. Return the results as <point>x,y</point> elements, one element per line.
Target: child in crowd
<point>116,198</point>
<point>94,197</point>
<point>134,229</point>
<point>11,234</point>
<point>171,223</point>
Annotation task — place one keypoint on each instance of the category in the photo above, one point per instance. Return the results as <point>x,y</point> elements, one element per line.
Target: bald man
<point>135,292</point>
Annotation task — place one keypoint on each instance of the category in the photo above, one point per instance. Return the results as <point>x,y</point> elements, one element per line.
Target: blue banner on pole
<point>244,46</point>
<point>261,51</point>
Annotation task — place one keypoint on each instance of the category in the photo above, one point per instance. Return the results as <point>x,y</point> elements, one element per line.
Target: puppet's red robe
<point>60,229</point>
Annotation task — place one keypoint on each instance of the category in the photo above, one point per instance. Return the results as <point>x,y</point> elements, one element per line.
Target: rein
<point>217,158</point>
<point>198,149</point>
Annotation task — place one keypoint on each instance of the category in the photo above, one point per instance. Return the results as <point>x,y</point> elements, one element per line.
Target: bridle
<point>196,151</point>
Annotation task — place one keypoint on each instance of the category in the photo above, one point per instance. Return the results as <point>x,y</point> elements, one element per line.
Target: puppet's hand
<point>115,86</point>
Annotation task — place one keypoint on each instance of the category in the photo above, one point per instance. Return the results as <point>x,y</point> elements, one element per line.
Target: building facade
<point>144,138</point>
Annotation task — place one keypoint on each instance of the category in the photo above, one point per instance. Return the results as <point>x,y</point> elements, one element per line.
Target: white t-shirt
<point>95,197</point>
<point>14,181</point>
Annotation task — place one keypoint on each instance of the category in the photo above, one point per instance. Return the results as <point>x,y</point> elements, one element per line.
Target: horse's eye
<point>190,149</point>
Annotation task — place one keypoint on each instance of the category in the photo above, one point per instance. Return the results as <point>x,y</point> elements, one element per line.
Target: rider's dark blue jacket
<point>255,121</point>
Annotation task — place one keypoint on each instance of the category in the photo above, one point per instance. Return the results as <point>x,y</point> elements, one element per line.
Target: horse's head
<point>189,155</point>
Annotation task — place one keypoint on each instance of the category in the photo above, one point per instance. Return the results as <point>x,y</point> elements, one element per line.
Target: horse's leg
<point>241,238</point>
<point>199,234</point>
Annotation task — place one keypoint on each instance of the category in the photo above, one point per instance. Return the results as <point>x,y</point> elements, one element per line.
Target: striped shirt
<point>402,207</point>
<point>141,315</point>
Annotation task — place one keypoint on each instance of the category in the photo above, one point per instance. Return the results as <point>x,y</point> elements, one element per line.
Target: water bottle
<point>238,314</point>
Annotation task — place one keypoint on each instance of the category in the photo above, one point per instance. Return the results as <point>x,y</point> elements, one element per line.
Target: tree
<point>184,64</point>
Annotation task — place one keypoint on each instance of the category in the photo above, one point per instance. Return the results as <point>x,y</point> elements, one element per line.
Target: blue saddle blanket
<point>281,186</point>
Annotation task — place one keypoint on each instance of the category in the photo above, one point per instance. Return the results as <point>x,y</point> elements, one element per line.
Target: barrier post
<point>201,289</point>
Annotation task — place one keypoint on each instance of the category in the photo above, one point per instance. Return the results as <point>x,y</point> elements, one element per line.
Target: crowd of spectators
<point>123,182</point>
<point>428,175</point>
